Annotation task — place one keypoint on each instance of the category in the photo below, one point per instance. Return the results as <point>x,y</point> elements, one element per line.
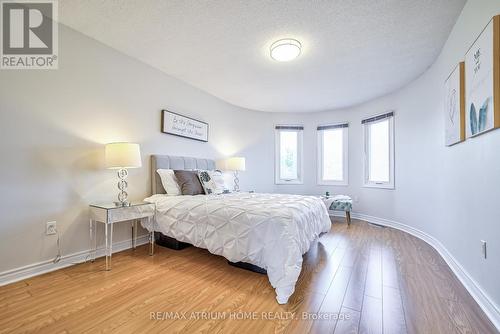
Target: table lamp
<point>122,156</point>
<point>235,165</point>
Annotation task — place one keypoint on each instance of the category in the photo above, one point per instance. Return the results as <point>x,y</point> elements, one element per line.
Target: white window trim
<point>345,166</point>
<point>300,162</point>
<point>366,182</point>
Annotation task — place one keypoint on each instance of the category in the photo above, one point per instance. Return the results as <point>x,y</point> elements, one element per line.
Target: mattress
<point>271,231</point>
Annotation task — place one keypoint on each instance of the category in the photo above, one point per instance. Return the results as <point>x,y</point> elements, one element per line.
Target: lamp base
<point>122,186</point>
<point>236,187</point>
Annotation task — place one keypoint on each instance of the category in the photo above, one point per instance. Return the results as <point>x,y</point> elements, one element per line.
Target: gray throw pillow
<point>189,182</point>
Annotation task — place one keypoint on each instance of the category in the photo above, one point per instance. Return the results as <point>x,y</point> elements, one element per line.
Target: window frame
<point>300,156</point>
<point>366,172</point>
<point>345,156</point>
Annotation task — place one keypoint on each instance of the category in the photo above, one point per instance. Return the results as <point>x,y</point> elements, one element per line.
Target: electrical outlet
<point>51,228</point>
<point>483,248</point>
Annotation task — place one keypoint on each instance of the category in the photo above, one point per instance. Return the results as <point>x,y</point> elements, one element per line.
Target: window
<point>379,151</point>
<point>289,154</point>
<point>333,154</point>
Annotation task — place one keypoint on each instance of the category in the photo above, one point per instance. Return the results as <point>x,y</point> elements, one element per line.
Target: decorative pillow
<point>189,182</point>
<point>169,182</point>
<point>208,183</point>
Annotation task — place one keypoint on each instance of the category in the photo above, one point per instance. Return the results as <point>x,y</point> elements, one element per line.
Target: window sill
<point>335,184</point>
<point>289,182</point>
<point>380,186</point>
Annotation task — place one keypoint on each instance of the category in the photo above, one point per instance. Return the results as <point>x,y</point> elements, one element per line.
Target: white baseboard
<point>18,274</point>
<point>489,307</point>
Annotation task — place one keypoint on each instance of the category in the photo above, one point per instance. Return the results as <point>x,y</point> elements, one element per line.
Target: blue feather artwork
<point>481,65</point>
<point>473,119</point>
<point>478,121</point>
<point>483,113</point>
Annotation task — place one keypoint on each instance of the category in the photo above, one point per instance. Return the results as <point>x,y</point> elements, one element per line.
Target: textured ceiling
<point>353,51</point>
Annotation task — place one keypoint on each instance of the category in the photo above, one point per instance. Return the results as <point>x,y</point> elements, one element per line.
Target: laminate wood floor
<point>362,279</point>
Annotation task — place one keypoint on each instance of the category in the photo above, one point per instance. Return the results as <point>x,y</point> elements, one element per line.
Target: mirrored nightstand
<point>109,214</point>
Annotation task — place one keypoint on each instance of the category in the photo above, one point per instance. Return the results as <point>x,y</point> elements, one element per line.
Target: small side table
<point>109,214</point>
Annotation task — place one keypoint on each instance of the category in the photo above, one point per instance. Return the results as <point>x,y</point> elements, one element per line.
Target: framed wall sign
<point>454,106</point>
<point>183,126</point>
<point>482,81</point>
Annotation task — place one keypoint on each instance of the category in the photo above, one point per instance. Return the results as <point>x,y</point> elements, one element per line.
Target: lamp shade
<point>232,164</point>
<point>123,155</point>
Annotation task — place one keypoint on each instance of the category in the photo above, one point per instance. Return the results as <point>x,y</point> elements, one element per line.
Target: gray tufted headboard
<point>179,163</point>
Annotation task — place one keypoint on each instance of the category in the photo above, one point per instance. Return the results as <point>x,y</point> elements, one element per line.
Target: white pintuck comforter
<point>271,231</point>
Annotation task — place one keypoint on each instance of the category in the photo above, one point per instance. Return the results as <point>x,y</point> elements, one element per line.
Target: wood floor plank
<point>332,304</point>
<point>318,268</point>
<point>389,271</point>
<point>375,279</point>
<point>356,289</point>
<point>393,312</point>
<point>373,286</point>
<point>371,316</point>
<point>415,316</point>
<point>349,322</point>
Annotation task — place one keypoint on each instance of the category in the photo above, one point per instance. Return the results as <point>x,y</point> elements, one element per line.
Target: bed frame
<point>183,163</point>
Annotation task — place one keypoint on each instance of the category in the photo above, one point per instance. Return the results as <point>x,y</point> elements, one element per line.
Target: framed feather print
<point>454,106</point>
<point>482,81</point>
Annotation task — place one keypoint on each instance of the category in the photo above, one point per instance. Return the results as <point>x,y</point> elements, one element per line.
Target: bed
<point>271,231</point>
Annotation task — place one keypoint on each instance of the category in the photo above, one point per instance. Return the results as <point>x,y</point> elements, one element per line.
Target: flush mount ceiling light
<point>285,49</point>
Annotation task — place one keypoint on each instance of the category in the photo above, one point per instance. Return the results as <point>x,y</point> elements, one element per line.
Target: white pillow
<point>219,180</point>
<point>169,182</point>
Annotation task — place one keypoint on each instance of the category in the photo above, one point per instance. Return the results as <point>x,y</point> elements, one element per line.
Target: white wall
<point>451,193</point>
<point>53,125</point>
